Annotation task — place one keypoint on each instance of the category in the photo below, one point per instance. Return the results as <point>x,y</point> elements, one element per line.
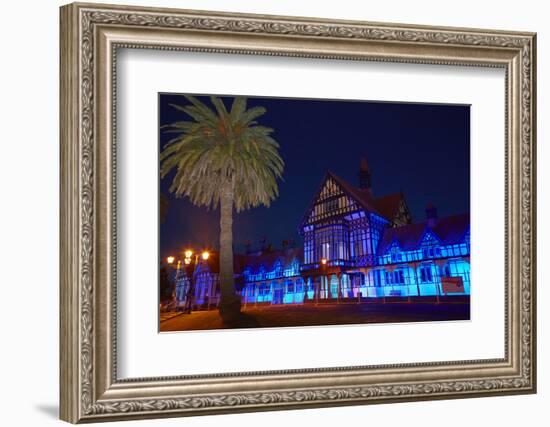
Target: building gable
<point>429,239</point>
<point>331,200</point>
<point>394,208</point>
<point>394,247</point>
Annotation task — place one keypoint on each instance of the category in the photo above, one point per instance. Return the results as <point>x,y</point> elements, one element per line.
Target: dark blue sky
<point>421,149</point>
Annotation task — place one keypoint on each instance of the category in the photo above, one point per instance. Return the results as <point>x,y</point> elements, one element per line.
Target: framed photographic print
<point>264,212</point>
<point>343,253</point>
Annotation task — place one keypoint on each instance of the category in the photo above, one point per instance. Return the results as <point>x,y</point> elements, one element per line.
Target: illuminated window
<point>290,287</point>
<point>458,268</point>
<point>308,248</point>
<point>399,277</point>
<point>332,242</point>
<point>396,256</point>
<point>426,274</point>
<point>377,278</point>
<point>325,250</point>
<point>293,269</point>
<point>299,285</point>
<point>264,289</point>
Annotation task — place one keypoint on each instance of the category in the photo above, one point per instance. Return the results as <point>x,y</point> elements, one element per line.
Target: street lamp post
<point>191,263</point>
<point>172,274</point>
<point>324,270</point>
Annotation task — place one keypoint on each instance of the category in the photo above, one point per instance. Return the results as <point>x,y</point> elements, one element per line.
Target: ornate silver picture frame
<point>91,390</point>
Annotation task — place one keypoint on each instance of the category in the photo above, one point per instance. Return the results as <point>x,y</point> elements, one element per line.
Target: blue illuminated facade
<point>204,289</point>
<point>273,278</point>
<point>356,246</point>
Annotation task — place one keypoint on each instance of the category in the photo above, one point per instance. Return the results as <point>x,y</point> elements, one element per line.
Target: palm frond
<point>237,108</point>
<point>220,107</point>
<point>218,146</point>
<point>249,115</point>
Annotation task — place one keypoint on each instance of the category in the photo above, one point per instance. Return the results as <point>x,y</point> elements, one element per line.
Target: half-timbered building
<point>358,246</point>
<point>355,246</point>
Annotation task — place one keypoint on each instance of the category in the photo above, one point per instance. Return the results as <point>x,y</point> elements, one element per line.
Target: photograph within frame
<point>343,212</point>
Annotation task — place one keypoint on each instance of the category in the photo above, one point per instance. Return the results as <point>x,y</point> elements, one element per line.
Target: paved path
<point>167,315</point>
<point>328,314</point>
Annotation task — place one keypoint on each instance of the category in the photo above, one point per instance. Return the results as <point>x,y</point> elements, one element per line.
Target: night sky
<point>420,149</point>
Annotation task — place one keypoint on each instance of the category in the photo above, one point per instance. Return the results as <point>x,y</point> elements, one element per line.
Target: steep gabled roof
<point>452,229</point>
<point>364,198</point>
<point>386,207</point>
<point>268,259</point>
<point>389,205</point>
<point>449,230</point>
<point>213,262</point>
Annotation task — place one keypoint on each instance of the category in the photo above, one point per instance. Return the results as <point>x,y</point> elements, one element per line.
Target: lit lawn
<point>323,314</point>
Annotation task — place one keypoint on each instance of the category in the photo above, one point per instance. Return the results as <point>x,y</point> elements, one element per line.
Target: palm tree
<point>223,158</point>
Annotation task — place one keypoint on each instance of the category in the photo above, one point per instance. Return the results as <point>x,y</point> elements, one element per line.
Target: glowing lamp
<point>187,261</point>
<point>205,255</point>
<point>188,253</point>
<point>324,261</point>
<point>170,260</point>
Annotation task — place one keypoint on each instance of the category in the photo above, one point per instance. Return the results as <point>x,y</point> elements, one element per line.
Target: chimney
<point>431,215</point>
<point>364,175</point>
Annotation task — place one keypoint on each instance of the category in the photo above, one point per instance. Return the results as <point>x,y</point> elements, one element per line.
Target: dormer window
<point>396,256</point>
<point>395,253</point>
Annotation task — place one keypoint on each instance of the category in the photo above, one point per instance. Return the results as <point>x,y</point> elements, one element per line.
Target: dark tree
<point>167,286</point>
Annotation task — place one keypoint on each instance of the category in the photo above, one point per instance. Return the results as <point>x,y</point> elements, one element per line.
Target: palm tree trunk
<point>230,303</point>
